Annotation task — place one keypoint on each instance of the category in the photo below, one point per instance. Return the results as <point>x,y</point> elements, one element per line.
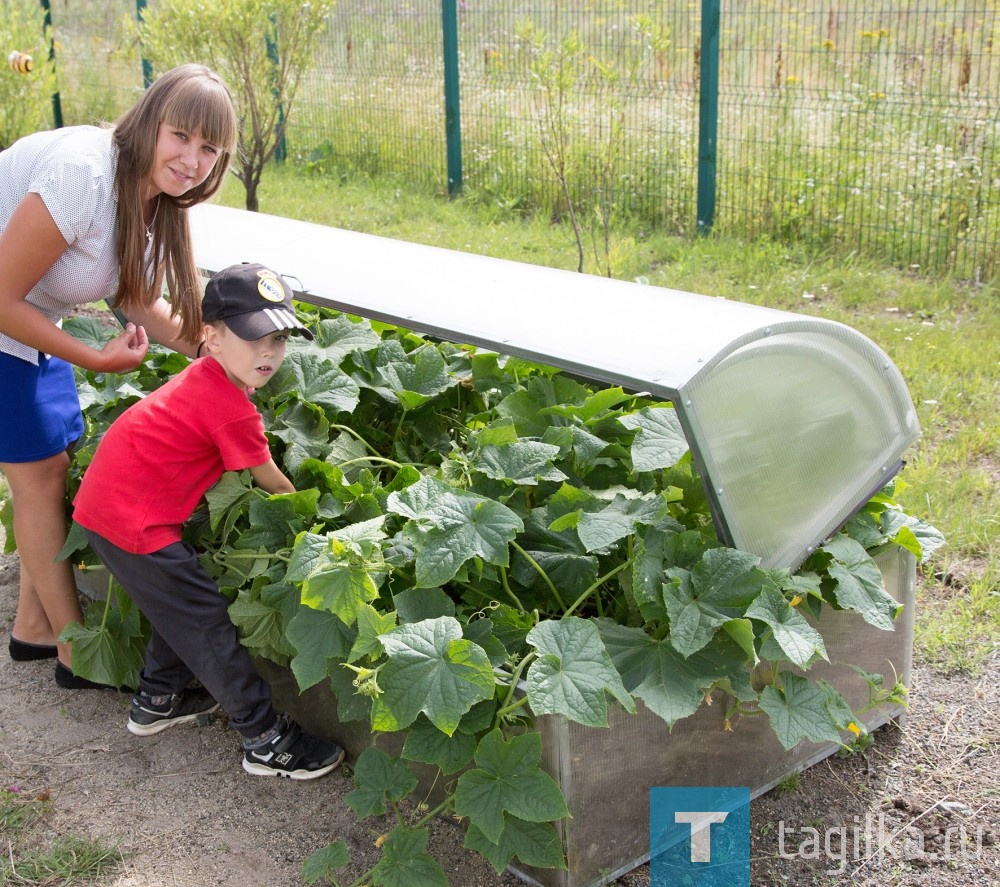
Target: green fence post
<point>452,119</point>
<point>147,67</point>
<point>708,113</point>
<point>280,149</point>
<point>57,118</point>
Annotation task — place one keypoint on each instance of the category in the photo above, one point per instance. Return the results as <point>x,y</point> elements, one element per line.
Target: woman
<point>90,213</point>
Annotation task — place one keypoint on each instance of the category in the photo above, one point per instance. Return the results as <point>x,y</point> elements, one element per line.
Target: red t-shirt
<point>159,457</point>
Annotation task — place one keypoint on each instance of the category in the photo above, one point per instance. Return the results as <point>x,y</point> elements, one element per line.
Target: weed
<point>789,784</point>
<point>69,859</point>
<point>29,863</point>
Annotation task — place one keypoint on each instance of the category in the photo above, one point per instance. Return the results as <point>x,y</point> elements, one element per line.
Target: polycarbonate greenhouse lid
<point>793,421</point>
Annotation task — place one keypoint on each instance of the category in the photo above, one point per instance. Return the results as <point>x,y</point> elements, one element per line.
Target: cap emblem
<point>269,287</point>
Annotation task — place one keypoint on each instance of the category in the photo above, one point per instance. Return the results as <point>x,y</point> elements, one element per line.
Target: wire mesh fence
<point>864,126</point>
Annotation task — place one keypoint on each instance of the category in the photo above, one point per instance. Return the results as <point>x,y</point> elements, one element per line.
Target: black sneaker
<point>292,753</point>
<point>145,717</point>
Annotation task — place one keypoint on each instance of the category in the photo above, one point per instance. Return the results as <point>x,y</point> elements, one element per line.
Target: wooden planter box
<point>637,752</point>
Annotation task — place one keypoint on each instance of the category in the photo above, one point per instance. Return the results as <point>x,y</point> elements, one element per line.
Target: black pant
<point>193,635</point>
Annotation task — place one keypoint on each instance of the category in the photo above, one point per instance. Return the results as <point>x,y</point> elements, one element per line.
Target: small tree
<point>557,69</point>
<point>25,99</point>
<point>260,47</point>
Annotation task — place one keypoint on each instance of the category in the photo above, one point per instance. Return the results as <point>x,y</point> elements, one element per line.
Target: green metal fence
<point>865,126</point>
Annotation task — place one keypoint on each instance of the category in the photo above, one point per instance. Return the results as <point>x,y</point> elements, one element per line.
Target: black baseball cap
<point>253,301</point>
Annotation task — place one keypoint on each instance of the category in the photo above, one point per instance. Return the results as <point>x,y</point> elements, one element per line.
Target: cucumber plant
<point>476,540</point>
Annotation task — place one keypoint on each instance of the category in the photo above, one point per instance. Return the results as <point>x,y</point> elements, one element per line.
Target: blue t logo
<point>699,836</point>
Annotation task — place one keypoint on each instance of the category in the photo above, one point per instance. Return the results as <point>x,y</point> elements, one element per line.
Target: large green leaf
<point>799,709</point>
<point>659,441</point>
<point>404,862</point>
<point>700,600</point>
<point>319,639</point>
<point>109,648</point>
<point>370,625</point>
<point>341,586</point>
<point>648,559</point>
<point>670,685</point>
<point>507,779</point>
<point>426,743</point>
<point>305,429</point>
<point>317,381</point>
<point>336,337</point>
<point>308,555</point>
<point>571,573</point>
<point>342,574</point>
<point>431,669</point>
<point>351,705</point>
<point>602,530</point>
<point>528,407</point>
<point>534,843</point>
<point>522,462</point>
<point>860,585</point>
<point>91,331</point>
<point>580,445</point>
<point>350,455</point>
<point>261,626</point>
<point>417,604</point>
<point>410,378</point>
<point>275,521</point>
<point>225,493</point>
<point>449,526</point>
<point>378,779</point>
<point>557,555</point>
<point>595,405</point>
<point>798,640</point>
<point>574,674</point>
<point>321,862</point>
<point>915,534</point>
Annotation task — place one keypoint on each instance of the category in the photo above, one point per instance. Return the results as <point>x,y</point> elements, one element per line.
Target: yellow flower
<point>795,601</point>
<point>854,728</point>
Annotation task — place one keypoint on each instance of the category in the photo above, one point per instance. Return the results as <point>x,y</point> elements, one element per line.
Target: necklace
<point>149,227</point>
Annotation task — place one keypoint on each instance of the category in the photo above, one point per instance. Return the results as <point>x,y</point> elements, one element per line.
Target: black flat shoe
<point>69,681</point>
<point>22,651</point>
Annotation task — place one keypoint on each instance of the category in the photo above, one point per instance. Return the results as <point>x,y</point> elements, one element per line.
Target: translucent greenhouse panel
<point>794,421</point>
<point>796,430</point>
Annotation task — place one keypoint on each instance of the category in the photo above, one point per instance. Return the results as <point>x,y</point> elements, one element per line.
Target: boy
<point>148,475</point>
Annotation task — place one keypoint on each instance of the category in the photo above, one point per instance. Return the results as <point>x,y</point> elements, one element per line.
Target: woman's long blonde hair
<point>192,98</point>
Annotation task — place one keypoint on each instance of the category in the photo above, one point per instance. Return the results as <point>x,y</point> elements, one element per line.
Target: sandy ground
<point>185,814</point>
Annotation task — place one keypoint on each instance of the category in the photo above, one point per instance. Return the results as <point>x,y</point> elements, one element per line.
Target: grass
<point>943,334</point>
<point>31,861</point>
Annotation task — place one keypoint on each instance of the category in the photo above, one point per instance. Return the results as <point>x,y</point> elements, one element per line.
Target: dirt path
<point>185,814</point>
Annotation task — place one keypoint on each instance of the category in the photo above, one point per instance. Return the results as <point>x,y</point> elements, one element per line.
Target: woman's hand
<point>126,350</point>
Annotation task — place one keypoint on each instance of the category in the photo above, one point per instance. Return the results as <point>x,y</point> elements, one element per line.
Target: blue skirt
<point>39,408</point>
